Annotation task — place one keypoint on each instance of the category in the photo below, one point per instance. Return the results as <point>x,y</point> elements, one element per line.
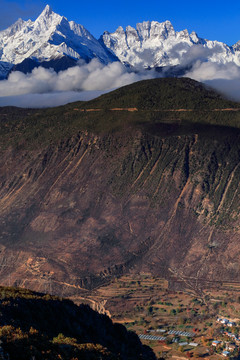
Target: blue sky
<point>215,20</point>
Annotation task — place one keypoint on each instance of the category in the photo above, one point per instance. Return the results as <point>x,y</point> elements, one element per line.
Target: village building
<point>230,347</point>
<point>216,343</point>
<point>225,353</point>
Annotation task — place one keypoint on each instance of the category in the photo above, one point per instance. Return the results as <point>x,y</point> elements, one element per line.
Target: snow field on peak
<point>154,44</point>
<point>49,36</point>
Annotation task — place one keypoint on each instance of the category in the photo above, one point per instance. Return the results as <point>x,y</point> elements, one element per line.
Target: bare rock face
<point>79,212</point>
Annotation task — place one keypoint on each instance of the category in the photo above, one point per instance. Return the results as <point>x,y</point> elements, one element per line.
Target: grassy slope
<point>162,94</point>
<point>21,127</point>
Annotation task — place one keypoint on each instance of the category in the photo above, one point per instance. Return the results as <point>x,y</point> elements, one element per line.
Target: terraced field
<point>173,323</point>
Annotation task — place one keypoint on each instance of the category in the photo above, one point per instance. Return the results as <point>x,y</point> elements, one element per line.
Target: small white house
<point>230,347</point>
<point>226,353</point>
<point>216,343</point>
<point>183,343</point>
<point>193,344</point>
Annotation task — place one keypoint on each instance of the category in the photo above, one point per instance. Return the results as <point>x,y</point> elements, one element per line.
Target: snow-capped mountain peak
<point>46,11</point>
<point>46,23</point>
<point>50,36</point>
<point>17,26</point>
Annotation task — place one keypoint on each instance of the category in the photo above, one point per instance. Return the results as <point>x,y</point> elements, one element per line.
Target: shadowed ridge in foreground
<point>47,327</point>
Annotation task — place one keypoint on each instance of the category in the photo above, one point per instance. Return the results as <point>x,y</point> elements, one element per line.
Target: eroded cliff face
<point>76,214</point>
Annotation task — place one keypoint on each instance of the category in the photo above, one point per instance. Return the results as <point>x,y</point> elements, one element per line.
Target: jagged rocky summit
<point>154,44</point>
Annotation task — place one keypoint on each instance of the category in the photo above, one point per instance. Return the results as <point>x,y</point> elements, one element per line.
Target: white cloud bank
<point>46,88</point>
<point>82,82</point>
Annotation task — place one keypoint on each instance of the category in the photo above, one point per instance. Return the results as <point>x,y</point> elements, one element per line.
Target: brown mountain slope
<point>162,198</point>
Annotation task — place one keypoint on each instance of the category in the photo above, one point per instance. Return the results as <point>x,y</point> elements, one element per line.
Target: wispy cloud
<point>48,99</point>
<point>45,88</point>
<point>225,78</point>
<point>189,55</point>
